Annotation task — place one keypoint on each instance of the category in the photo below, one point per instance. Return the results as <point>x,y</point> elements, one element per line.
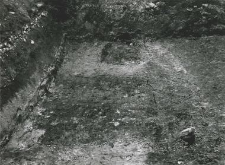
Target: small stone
<point>125,96</point>
<point>152,5</point>
<point>12,12</point>
<point>136,91</point>
<point>180,162</point>
<point>116,124</point>
<point>44,13</point>
<point>189,9</point>
<point>40,4</point>
<point>188,135</point>
<point>205,5</point>
<point>32,42</point>
<point>188,130</point>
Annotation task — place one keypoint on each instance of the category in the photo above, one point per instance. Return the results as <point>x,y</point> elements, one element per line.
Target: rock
<point>188,135</point>
<point>125,96</point>
<point>12,12</point>
<point>116,124</point>
<point>44,13</point>
<point>40,4</point>
<point>180,162</point>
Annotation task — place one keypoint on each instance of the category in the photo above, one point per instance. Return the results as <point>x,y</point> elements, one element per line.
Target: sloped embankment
<point>16,112</point>
<point>26,50</point>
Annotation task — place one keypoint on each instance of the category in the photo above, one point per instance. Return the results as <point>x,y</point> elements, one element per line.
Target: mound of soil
<point>119,53</point>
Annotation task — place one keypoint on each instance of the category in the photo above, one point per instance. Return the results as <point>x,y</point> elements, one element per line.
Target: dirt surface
<point>129,114</point>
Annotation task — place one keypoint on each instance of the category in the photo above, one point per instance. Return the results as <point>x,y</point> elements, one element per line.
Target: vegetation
<point>192,17</point>
<point>160,18</point>
<point>22,46</point>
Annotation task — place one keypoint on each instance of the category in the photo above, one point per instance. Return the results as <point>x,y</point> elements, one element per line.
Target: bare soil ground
<point>130,114</point>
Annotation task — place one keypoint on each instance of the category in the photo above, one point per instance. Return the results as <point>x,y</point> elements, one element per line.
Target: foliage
<point>191,17</point>
<point>160,18</point>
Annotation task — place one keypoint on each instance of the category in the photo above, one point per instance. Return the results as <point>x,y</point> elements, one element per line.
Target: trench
<point>85,110</point>
<point>100,113</point>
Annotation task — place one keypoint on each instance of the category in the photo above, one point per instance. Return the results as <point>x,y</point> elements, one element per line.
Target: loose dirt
<point>130,114</point>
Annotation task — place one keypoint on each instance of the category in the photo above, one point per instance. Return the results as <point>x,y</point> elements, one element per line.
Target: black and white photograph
<point>112,82</point>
